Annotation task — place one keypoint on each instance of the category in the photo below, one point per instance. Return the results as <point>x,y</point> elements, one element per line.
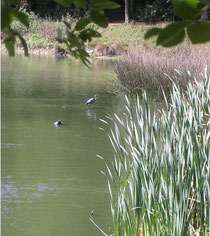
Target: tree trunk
<point>127,12</point>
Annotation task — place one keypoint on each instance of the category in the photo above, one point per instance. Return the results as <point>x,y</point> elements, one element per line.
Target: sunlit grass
<point>159,179</point>
<point>125,35</point>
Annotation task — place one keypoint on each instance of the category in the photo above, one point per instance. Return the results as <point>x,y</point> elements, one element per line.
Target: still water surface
<point>51,176</point>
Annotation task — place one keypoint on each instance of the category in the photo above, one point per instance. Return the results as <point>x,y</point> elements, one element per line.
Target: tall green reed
<point>159,179</point>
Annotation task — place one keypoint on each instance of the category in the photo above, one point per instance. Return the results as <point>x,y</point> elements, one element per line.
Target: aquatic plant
<point>159,179</point>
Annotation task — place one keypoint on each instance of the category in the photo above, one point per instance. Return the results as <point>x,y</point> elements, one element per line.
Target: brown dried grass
<point>146,69</point>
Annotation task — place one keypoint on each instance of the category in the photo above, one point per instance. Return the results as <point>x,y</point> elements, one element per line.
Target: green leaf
<point>88,34</point>
<point>22,17</point>
<point>85,36</point>
<point>24,44</point>
<point>152,32</point>
<point>186,9</point>
<point>74,40</point>
<point>100,11</point>
<point>82,23</point>
<point>172,34</point>
<point>93,33</point>
<point>64,3</point>
<point>98,19</point>
<point>105,4</point>
<point>10,45</point>
<point>83,55</point>
<point>74,53</point>
<point>6,17</point>
<point>199,32</point>
<point>67,24</point>
<point>81,3</point>
<point>83,52</point>
<point>15,1</point>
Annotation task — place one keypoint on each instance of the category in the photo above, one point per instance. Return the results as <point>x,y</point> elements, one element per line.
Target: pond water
<point>51,178</point>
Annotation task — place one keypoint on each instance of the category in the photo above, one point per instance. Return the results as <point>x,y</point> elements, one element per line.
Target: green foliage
<point>6,17</point>
<point>22,17</point>
<point>98,18</point>
<point>64,3</point>
<point>51,9</point>
<point>204,32</point>
<point>159,179</point>
<point>8,13</point>
<point>187,9</point>
<point>76,35</point>
<point>81,3</point>
<point>104,4</point>
<point>81,24</point>
<point>152,32</point>
<point>154,11</point>
<point>175,33</point>
<point>10,44</point>
<point>172,34</point>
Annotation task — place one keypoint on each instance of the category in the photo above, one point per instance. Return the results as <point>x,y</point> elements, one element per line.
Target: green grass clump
<point>159,179</point>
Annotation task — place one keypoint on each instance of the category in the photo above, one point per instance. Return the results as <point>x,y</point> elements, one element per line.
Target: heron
<point>58,122</point>
<point>92,100</point>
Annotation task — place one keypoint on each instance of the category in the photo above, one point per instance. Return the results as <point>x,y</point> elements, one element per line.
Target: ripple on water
<point>11,145</point>
<point>17,192</point>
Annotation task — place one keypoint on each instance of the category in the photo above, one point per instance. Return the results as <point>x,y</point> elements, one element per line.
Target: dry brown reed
<point>146,69</point>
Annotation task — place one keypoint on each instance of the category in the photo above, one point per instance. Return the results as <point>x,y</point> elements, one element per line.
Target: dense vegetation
<point>159,179</point>
<point>145,69</point>
<point>94,12</point>
<point>146,10</point>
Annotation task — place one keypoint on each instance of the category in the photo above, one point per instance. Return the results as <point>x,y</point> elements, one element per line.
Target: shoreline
<point>46,52</point>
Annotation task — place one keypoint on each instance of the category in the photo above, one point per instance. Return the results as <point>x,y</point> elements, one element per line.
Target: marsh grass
<point>145,69</point>
<point>159,179</point>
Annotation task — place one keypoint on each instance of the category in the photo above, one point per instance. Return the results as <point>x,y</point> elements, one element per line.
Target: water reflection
<point>13,191</point>
<point>91,114</point>
<point>11,145</point>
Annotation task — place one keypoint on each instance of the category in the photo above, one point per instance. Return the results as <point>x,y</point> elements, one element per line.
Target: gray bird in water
<point>92,100</point>
<point>58,122</point>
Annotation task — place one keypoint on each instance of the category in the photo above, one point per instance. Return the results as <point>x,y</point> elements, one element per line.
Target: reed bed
<point>143,69</point>
<point>159,179</point>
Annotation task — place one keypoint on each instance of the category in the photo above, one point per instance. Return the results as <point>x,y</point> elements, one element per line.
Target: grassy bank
<point>116,39</point>
<point>42,34</point>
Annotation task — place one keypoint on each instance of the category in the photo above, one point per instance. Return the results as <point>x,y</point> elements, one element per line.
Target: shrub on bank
<point>42,33</point>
